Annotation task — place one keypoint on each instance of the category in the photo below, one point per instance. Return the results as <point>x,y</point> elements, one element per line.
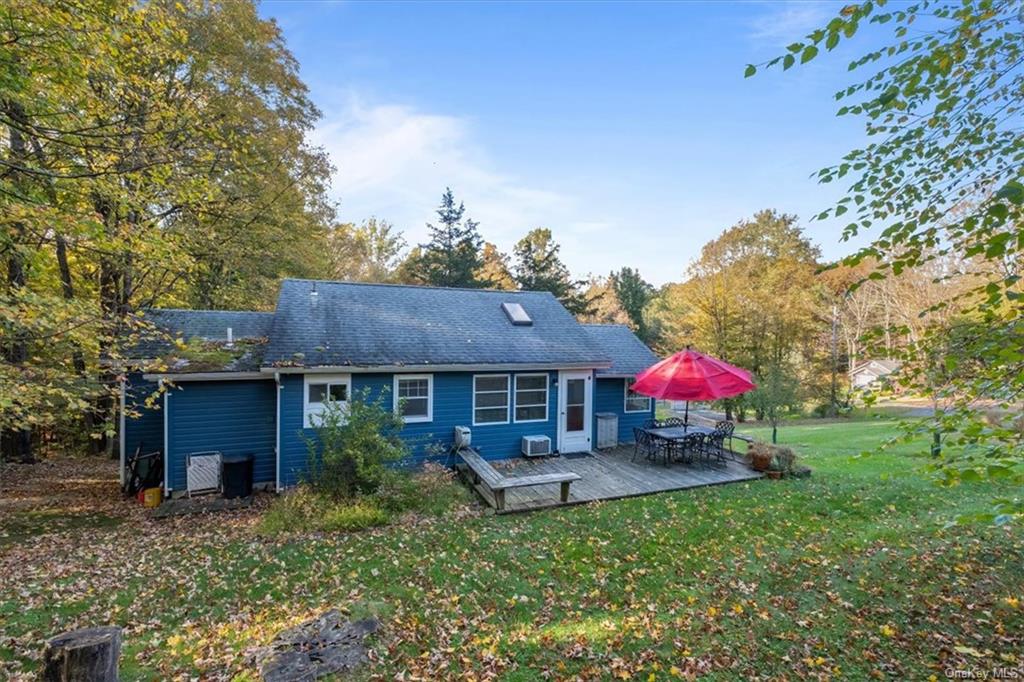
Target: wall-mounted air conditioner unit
<point>463,437</point>
<point>535,446</point>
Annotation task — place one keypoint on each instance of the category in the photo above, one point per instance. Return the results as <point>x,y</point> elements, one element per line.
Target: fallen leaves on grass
<point>837,576</point>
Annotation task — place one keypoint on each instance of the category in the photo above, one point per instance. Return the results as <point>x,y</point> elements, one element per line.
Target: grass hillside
<point>852,573</point>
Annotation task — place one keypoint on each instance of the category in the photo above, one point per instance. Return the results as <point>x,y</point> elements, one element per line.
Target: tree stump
<point>327,645</point>
<point>87,655</point>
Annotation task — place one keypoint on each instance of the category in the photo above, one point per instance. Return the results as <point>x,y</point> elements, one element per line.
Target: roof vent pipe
<point>313,296</point>
<point>231,338</point>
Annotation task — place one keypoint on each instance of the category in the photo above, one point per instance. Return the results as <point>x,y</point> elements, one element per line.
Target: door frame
<point>588,406</point>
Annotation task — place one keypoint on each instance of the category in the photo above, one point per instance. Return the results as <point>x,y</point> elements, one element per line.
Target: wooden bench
<point>498,483</point>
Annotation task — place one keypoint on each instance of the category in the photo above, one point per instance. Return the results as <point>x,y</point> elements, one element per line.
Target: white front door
<point>574,411</point>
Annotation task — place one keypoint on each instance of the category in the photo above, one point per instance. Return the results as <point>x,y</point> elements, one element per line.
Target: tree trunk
<point>114,295</point>
<point>775,434</point>
<point>87,655</point>
<point>936,444</point>
<point>63,267</point>
<point>18,442</point>
<point>68,291</point>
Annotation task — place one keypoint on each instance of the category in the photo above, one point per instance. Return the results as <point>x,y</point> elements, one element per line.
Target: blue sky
<point>628,129</point>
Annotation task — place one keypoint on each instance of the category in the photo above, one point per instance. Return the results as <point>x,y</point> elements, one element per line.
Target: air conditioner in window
<point>535,446</point>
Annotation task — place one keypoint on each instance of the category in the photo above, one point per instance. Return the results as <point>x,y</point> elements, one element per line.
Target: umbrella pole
<point>686,414</point>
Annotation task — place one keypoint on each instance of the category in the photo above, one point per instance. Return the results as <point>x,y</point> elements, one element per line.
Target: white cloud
<point>394,162</point>
<point>786,22</point>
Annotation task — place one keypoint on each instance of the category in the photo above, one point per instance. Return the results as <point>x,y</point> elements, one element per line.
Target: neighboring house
<point>867,373</point>
<point>505,364</point>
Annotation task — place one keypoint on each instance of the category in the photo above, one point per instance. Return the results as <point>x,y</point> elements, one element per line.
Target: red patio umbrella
<point>689,375</point>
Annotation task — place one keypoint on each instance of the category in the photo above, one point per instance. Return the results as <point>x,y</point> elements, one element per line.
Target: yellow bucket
<point>151,497</point>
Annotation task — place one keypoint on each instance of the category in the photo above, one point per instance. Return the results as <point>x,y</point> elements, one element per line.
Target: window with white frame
<point>490,399</point>
<point>634,401</point>
<point>531,398</point>
<point>414,397</point>
<point>321,390</point>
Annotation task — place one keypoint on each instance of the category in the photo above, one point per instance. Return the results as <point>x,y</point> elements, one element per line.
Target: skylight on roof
<point>516,314</point>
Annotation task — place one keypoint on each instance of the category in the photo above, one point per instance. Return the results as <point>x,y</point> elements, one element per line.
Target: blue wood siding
<point>453,406</point>
<point>610,396</point>
<point>293,464</point>
<point>148,427</point>
<point>232,417</point>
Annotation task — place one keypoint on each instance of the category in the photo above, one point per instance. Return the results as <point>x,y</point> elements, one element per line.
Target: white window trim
<point>625,399</point>
<point>309,409</point>
<point>508,399</point>
<point>547,399</point>
<point>430,397</point>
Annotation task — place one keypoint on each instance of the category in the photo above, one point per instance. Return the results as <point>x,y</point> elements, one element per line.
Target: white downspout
<point>167,440</point>
<point>121,436</point>
<point>277,432</point>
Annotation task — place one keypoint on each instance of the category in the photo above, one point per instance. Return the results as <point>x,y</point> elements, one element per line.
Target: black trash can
<point>236,473</point>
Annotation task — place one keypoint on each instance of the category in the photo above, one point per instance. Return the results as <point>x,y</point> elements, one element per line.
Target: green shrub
<point>293,511</point>
<point>304,510</point>
<point>397,492</point>
<point>432,491</point>
<point>352,446</point>
<point>355,516</point>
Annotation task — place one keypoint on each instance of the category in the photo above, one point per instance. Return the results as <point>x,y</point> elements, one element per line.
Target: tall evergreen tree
<point>538,268</point>
<point>633,293</point>
<point>452,257</point>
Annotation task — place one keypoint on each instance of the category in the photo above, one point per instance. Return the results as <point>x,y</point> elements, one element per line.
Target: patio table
<point>677,432</point>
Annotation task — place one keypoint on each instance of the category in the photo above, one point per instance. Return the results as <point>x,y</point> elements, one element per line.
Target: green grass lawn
<point>853,573</point>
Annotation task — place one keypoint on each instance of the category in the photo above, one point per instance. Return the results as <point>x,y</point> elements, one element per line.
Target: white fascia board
<point>509,367</point>
<point>209,376</point>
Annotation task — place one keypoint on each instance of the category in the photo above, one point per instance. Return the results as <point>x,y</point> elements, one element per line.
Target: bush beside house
<point>353,481</point>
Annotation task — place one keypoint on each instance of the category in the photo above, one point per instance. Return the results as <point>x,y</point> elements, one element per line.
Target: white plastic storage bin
<point>607,430</point>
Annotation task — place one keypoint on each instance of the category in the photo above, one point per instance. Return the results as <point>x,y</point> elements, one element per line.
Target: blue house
<point>507,365</point>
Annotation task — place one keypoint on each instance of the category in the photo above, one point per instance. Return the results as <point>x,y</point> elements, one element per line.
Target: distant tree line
<point>456,255</point>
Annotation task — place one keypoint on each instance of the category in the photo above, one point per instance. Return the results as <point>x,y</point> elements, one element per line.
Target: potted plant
<point>785,457</point>
<point>760,456</point>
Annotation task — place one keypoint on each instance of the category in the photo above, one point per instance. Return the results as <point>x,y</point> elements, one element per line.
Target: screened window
<point>490,399</point>
<point>322,390</point>
<point>634,401</point>
<point>414,397</point>
<point>531,397</point>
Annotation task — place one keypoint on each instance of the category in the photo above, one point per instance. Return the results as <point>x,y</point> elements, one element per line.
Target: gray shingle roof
<point>212,325</point>
<point>206,325</point>
<point>885,366</point>
<point>396,325</point>
<point>629,354</point>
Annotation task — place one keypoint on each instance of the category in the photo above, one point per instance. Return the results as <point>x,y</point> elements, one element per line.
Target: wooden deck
<point>607,475</point>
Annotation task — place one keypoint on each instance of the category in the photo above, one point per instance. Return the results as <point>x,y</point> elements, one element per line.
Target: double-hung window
<point>490,399</point>
<point>322,390</point>
<point>634,401</point>
<point>414,397</point>
<point>531,398</point>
